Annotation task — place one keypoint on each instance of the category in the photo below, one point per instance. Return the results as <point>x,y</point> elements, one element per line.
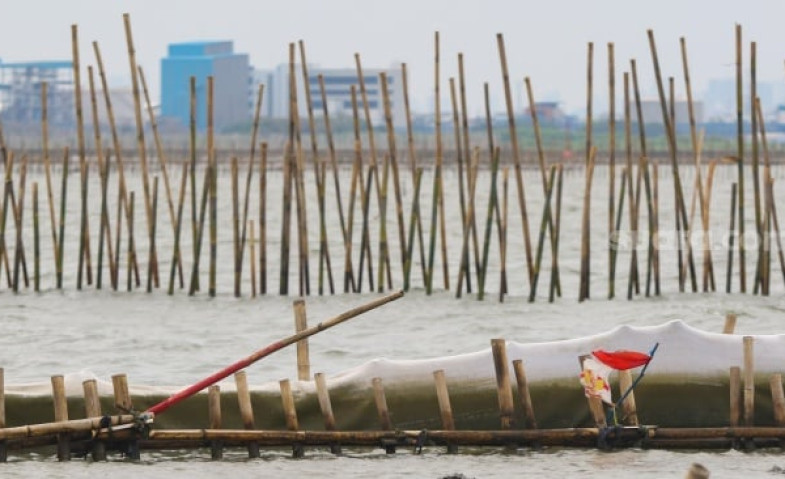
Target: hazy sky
<point>545,40</point>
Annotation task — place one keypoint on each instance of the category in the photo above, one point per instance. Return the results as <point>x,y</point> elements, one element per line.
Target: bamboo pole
<point>445,408</point>
<point>546,219</point>
<point>164,170</point>
<point>777,399</point>
<point>178,228</point>
<point>459,157</point>
<point>749,381</point>
<point>585,231</point>
<point>730,323</point>
<point>246,408</point>
<point>634,190</point>
<point>61,415</point>
<point>394,164</point>
<point>48,167</point>
<point>252,257</point>
<point>515,155</point>
<point>104,232</point>
<point>36,242</point>
<point>3,447</point>
<point>438,177</point>
<point>380,400</point>
<point>629,408</point>
<point>150,277</point>
<point>503,236</point>
<point>213,187</point>
<point>336,181</point>
<point>61,234</point>
<point>290,414</point>
<point>464,269</point>
<point>740,156</point>
<point>83,239</point>
<point>467,149</point>
<point>122,203</point>
<point>192,158</point>
<point>19,259</point>
<point>131,252</point>
<point>488,223</point>
<point>140,145</point>
<point>413,220</point>
<point>554,288</point>
<point>248,178</point>
<point>122,398</point>
<point>503,388</point>
<point>214,419</point>
<point>93,410</point>
<point>62,427</point>
<point>413,169</point>
<point>194,285</point>
<point>283,288</point>
<point>731,237</point>
<point>8,185</point>
<point>263,220</point>
<point>365,244</point>
<point>589,89</point>
<point>301,324</point>
<point>523,394</point>
<point>735,396</point>
<point>236,226</point>
<point>323,395</point>
<point>611,167</point>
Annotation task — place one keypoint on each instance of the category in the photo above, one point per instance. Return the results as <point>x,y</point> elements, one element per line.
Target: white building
<point>337,86</point>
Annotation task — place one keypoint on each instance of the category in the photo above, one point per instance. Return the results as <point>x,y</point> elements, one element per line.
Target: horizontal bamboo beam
<point>74,425</point>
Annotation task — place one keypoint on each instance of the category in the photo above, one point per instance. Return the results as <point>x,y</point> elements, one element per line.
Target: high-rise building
<point>202,59</point>
<point>21,86</point>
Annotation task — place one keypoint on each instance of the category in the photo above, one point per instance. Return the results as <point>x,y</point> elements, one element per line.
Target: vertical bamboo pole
<point>301,324</point>
<point>472,166</point>
<point>192,158</point>
<point>459,157</point>
<point>19,260</point>
<point>131,253</point>
<point>735,396</point>
<point>503,236</point>
<point>656,227</point>
<point>61,415</point>
<point>252,257</point>
<point>194,285</point>
<point>248,178</point>
<point>61,234</point>
<point>740,159</point>
<point>467,149</point>
<point>633,203</point>
<point>290,414</point>
<point>48,167</point>
<point>731,236</point>
<point>140,145</point>
<point>151,259</point>
<point>611,167</point>
<point>283,288</point>
<point>36,242</point>
<point>589,89</point>
<point>213,170</point>
<point>81,144</point>
<point>730,323</point>
<point>445,408</point>
<point>413,170</point>
<point>381,404</point>
<point>503,388</point>
<point>263,220</point>
<point>524,395</point>
<point>629,408</point>
<point>515,155</point>
<point>104,232</point>
<point>122,396</point>
<point>214,419</point>
<point>323,395</point>
<point>246,408</point>
<point>394,164</point>
<point>178,228</point>
<point>3,448</point>
<point>413,219</point>
<point>585,231</point>
<point>777,399</point>
<point>93,409</point>
<point>749,381</point>
<point>236,226</point>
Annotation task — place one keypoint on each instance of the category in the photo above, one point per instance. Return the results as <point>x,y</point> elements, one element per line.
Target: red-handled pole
<point>266,351</point>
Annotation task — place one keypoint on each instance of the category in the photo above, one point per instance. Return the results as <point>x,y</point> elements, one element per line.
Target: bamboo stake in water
<point>19,259</point>
<point>61,235</point>
<point>81,145</point>
<point>7,191</point>
<point>194,285</point>
<point>467,149</point>
<point>464,269</point>
<point>585,231</point>
<point>503,235</point>
<point>213,169</point>
<point>236,226</point>
<point>36,242</point>
<point>164,170</point>
<point>459,156</point>
<point>414,217</point>
<point>394,164</point>
<point>515,156</point>
<point>140,145</point>
<point>192,154</point>
<point>554,289</point>
<point>263,220</point>
<point>131,253</point>
<point>611,166</point>
<point>252,257</point>
<point>178,228</point>
<point>48,167</point>
<point>546,219</point>
<point>489,222</point>
<point>740,156</point>
<point>152,231</point>
<point>589,83</point>
<point>731,235</point>
<point>248,177</point>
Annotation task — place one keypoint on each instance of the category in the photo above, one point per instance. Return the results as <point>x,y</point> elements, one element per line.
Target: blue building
<point>231,77</point>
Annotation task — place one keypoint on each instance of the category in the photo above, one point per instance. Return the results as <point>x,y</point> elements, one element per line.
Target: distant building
<point>652,112</point>
<point>548,112</point>
<point>337,86</point>
<point>21,87</point>
<point>231,77</point>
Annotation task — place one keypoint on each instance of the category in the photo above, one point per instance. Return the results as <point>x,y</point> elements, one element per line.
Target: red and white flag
<point>598,366</point>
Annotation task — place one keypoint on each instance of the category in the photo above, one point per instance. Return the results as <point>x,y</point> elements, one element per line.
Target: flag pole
<point>634,383</point>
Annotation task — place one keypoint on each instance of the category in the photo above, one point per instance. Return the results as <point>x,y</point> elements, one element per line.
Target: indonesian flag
<point>598,366</point>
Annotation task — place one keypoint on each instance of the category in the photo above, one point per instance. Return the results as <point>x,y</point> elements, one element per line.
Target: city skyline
<point>547,43</point>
